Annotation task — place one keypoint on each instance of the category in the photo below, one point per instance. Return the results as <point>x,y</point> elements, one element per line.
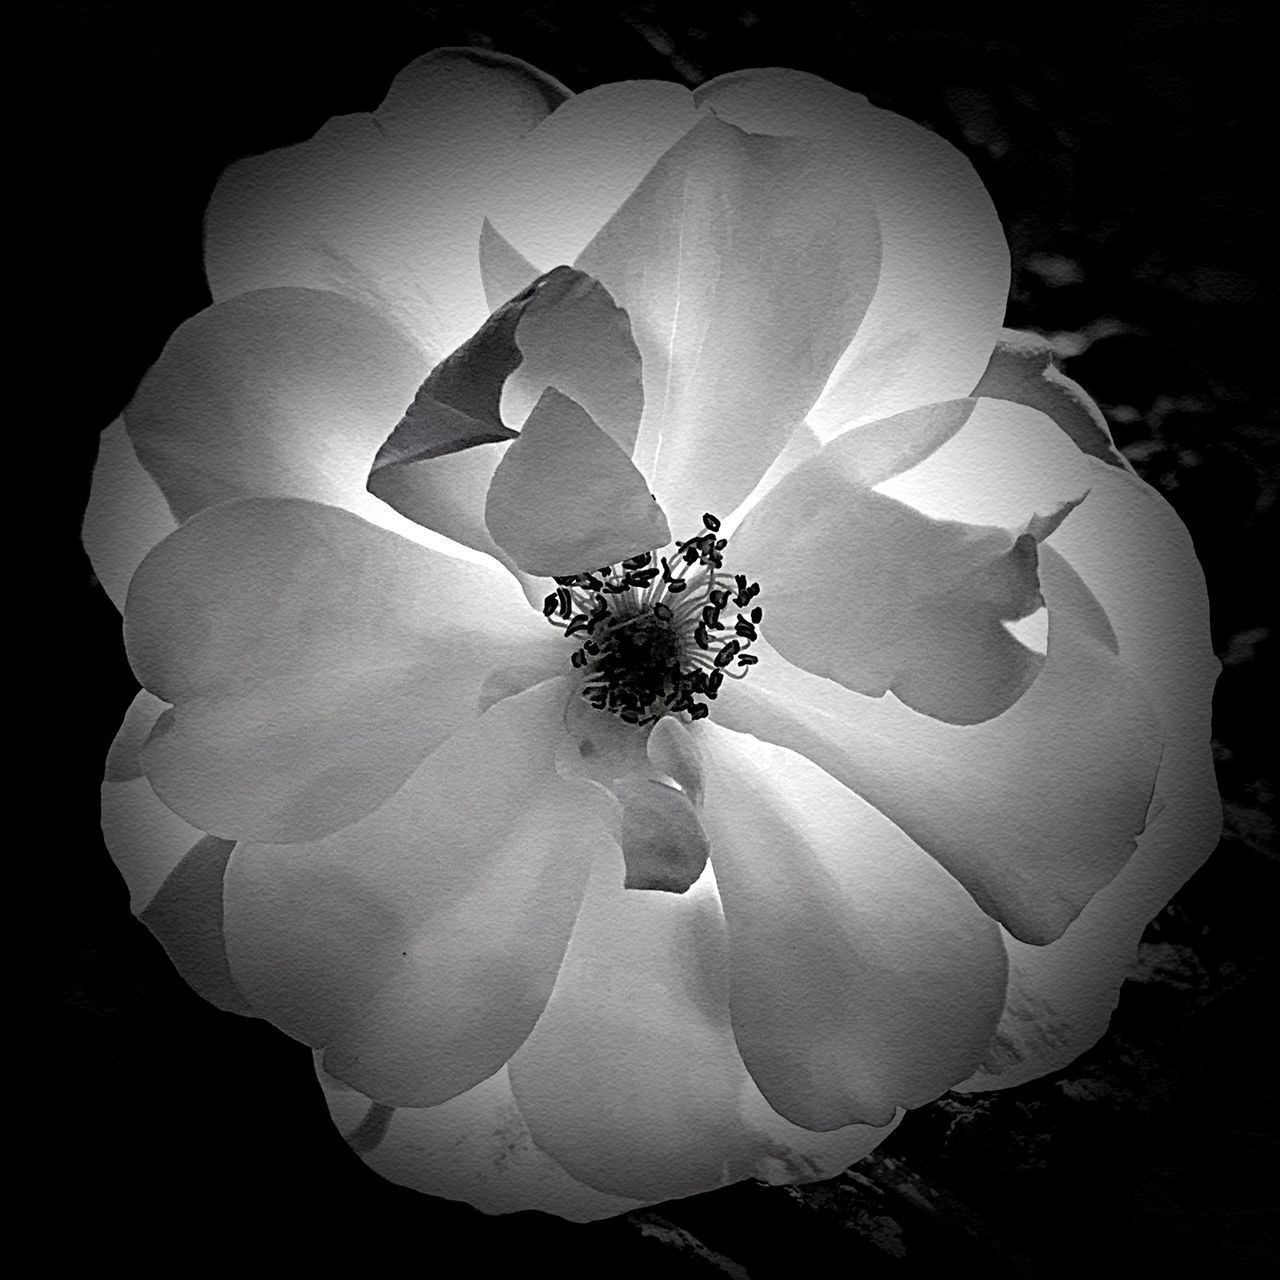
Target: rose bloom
<point>640,671</point>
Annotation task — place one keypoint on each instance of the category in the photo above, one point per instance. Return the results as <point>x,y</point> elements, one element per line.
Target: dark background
<point>1124,149</point>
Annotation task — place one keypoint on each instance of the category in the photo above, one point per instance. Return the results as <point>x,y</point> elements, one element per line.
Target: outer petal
<point>1034,811</point>
<point>1135,555</point>
<point>944,269</point>
<point>186,918</point>
<point>475,1147</point>
<point>419,946</point>
<point>572,173</point>
<point>745,265</point>
<point>127,514</point>
<point>1022,370</point>
<point>313,659</point>
<point>279,393</point>
<point>907,603</point>
<point>862,976</point>
<point>145,837</point>
<point>631,1080</point>
<point>385,207</point>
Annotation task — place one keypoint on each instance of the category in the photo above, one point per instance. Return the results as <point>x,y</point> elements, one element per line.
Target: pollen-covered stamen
<point>656,638</point>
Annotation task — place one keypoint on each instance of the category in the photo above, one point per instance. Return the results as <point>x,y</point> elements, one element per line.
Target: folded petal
<point>572,173</point>
<point>562,329</point>
<point>1021,369</point>
<point>745,265</point>
<point>565,498</point>
<point>126,516</point>
<point>1135,555</point>
<point>862,977</point>
<point>385,207</point>
<point>475,1147</point>
<point>944,266</point>
<point>1033,811</point>
<point>419,945</point>
<point>867,591</point>
<point>145,838</point>
<point>313,661</point>
<point>664,844</point>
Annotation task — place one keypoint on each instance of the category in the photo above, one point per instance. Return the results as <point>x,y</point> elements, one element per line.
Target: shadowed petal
<point>386,207</point>
<point>126,516</point>
<point>563,329</point>
<point>145,837</point>
<point>313,659</point>
<point>566,498</point>
<point>745,265</point>
<point>944,266</point>
<point>1135,555</point>
<point>186,918</point>
<point>419,945</point>
<point>475,1147</point>
<point>862,977</point>
<point>1034,811</point>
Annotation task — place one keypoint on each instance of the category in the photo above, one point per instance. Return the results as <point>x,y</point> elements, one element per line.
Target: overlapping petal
<point>313,660</point>
<point>1135,555</point>
<point>862,977</point>
<point>1022,369</point>
<point>282,392</point>
<point>126,516</point>
<point>561,330</point>
<point>745,265</point>
<point>186,917</point>
<point>631,1080</point>
<point>565,497</point>
<point>573,172</point>
<point>905,602</point>
<point>145,838</point>
<point>1000,804</point>
<point>385,207</point>
<point>943,274</point>
<point>475,1147</point>
<point>419,945</point>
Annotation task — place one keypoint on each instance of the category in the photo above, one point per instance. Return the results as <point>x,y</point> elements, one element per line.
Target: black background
<point>1124,148</point>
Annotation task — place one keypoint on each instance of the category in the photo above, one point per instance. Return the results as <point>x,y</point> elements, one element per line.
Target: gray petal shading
<point>186,918</point>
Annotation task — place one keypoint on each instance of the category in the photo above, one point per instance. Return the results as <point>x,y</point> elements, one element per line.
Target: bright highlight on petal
<point>943,276</point>
<point>745,264</point>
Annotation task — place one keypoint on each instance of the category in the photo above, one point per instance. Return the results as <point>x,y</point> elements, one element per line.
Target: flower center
<point>654,641</point>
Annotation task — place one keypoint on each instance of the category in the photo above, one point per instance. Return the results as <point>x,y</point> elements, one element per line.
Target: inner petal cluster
<point>655,641</point>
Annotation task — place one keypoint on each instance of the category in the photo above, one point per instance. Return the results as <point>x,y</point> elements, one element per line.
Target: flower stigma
<point>654,642</point>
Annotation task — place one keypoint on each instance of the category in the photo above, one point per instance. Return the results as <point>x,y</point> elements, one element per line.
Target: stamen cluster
<point>654,642</point>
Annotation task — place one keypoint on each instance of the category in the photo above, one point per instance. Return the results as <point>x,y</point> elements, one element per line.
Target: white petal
<point>944,270</point>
